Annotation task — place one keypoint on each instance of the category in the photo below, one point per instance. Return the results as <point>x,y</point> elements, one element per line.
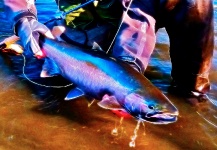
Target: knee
<point>201,10</point>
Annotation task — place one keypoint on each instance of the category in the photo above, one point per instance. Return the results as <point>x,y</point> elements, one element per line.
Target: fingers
<point>48,34</point>
<point>30,31</point>
<point>33,45</point>
<point>41,28</point>
<point>57,31</point>
<point>37,30</point>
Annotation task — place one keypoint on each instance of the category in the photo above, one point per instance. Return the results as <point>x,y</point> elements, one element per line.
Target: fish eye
<point>151,106</point>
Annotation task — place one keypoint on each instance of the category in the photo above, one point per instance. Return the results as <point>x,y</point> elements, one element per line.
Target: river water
<point>34,117</point>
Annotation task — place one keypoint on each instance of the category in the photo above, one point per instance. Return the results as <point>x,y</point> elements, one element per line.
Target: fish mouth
<point>160,117</point>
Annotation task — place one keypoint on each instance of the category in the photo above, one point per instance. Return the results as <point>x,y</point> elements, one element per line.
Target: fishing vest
<point>109,11</point>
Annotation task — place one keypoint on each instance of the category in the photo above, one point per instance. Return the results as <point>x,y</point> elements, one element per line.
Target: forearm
<point>15,7</point>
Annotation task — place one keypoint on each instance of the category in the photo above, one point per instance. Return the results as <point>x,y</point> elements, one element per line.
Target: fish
<point>114,83</point>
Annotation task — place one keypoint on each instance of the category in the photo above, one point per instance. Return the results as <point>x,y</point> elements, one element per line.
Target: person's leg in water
<point>190,29</point>
<point>136,38</point>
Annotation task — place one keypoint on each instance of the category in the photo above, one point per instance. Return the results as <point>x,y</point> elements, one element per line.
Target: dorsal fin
<point>96,47</point>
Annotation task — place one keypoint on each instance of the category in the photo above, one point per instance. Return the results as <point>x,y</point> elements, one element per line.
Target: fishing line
<point>48,86</point>
<point>128,7</point>
<point>65,13</point>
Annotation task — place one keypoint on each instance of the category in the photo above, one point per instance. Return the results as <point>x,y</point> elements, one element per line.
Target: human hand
<point>29,30</point>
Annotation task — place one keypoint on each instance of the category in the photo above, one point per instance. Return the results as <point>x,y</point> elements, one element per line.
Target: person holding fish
<point>189,24</point>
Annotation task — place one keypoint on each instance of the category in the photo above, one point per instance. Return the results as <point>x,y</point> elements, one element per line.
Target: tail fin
<point>8,41</point>
<point>8,46</point>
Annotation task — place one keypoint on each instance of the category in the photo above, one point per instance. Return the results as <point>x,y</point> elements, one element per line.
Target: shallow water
<point>34,117</point>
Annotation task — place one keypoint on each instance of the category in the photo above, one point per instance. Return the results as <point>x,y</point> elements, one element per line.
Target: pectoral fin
<point>74,93</point>
<point>109,102</point>
<point>49,69</point>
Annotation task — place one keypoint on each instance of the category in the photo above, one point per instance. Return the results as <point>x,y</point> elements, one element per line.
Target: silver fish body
<point>105,78</point>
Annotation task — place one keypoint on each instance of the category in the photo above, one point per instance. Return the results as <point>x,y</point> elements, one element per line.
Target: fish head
<point>149,109</point>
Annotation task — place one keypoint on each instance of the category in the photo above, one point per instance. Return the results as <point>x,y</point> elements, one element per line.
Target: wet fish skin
<point>105,78</point>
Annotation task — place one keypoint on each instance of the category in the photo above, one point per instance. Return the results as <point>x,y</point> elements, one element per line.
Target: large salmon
<point>98,75</point>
